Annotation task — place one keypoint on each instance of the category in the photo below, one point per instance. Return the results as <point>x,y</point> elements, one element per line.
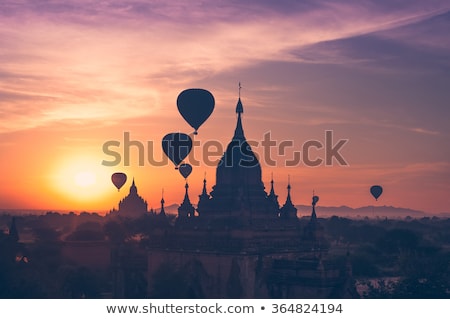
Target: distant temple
<point>238,242</point>
<point>132,206</point>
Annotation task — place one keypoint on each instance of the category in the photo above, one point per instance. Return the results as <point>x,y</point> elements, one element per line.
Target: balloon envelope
<point>195,105</point>
<point>315,200</point>
<point>177,146</point>
<point>376,191</point>
<point>118,179</point>
<point>185,170</point>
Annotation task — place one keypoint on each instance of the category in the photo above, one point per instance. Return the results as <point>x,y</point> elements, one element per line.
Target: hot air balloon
<point>376,191</point>
<point>185,170</point>
<point>195,105</point>
<point>177,146</point>
<point>118,179</point>
<point>315,199</point>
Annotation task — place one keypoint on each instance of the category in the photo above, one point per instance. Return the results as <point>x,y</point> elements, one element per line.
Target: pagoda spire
<point>204,192</point>
<point>240,87</point>
<point>133,188</point>
<point>203,198</point>
<point>239,107</point>
<point>162,212</point>
<point>186,194</point>
<point>288,210</point>
<point>273,198</point>
<point>239,131</point>
<point>288,198</point>
<point>272,191</point>
<point>186,209</point>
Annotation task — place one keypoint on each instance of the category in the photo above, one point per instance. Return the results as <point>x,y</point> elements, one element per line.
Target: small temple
<point>132,206</point>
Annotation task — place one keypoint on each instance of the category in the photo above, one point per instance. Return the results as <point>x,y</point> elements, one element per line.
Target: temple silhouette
<point>238,242</point>
<point>132,206</point>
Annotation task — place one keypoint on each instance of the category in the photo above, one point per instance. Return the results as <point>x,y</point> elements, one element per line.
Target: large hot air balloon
<point>177,146</point>
<point>195,105</point>
<point>376,191</point>
<point>119,179</point>
<point>185,170</point>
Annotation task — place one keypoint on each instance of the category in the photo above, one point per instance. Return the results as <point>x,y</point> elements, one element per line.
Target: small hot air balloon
<point>376,191</point>
<point>315,199</point>
<point>119,179</point>
<point>185,170</point>
<point>177,146</point>
<point>195,105</point>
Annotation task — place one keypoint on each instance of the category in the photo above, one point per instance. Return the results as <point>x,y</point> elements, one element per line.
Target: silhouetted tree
<point>116,232</point>
<point>45,234</point>
<point>88,231</point>
<point>398,240</point>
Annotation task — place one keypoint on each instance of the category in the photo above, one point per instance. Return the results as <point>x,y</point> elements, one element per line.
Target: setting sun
<point>82,179</point>
<point>85,179</point>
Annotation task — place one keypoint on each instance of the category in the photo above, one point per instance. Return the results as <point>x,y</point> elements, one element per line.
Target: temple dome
<point>132,206</point>
<point>239,187</point>
<point>239,163</point>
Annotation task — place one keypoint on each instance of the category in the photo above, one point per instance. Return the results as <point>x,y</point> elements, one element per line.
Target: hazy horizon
<point>304,211</point>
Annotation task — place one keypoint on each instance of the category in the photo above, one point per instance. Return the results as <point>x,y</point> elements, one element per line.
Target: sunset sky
<point>77,73</point>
